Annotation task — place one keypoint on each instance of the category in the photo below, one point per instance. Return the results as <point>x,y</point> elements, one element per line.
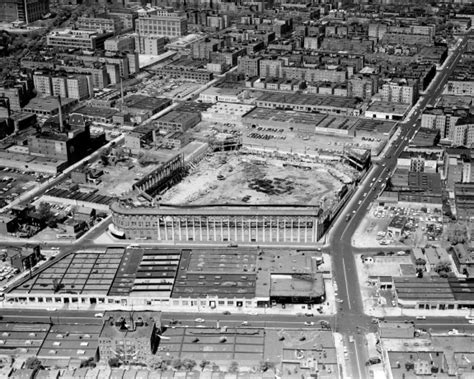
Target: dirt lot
<point>234,178</point>
<point>118,179</point>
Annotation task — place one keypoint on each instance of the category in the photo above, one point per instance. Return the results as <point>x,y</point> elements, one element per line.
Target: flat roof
<point>386,107</point>
<point>26,158</point>
<point>48,104</point>
<point>145,102</point>
<point>93,197</point>
<point>79,273</point>
<point>222,91</point>
<point>96,111</point>
<point>377,126</point>
<point>221,273</point>
<point>217,210</point>
<point>308,100</point>
<point>297,285</point>
<point>426,181</point>
<point>290,117</point>
<point>178,117</point>
<point>423,289</point>
<point>463,290</point>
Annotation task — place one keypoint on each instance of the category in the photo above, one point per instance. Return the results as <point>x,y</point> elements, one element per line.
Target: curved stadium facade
<point>220,223</point>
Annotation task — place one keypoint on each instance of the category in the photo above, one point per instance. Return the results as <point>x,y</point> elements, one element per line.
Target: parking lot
<point>14,182</point>
<point>421,225</point>
<point>7,272</point>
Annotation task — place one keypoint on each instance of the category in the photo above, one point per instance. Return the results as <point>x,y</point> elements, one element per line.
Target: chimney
<point>61,123</point>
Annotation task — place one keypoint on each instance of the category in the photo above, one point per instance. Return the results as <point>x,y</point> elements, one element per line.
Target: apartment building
<point>377,31</point>
<point>71,86</point>
<point>79,87</point>
<point>277,68</point>
<point>21,10</point>
<point>458,168</point>
<point>42,83</point>
<point>190,74</point>
<point>58,83</point>
<point>419,161</point>
<point>122,43</point>
<point>151,45</point>
<point>98,72</point>
<point>250,66</point>
<point>203,49</point>
<point>126,62</point>
<point>311,43</point>
<point>18,93</point>
<point>362,86</point>
<point>400,91</point>
<point>442,119</point>
<point>460,87</point>
<point>125,18</point>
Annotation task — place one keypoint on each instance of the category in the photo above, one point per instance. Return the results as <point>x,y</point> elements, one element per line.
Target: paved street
<point>350,319</point>
<point>350,310</point>
<point>436,324</point>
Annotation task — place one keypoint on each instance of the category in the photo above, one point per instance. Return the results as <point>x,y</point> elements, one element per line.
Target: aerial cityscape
<point>236,189</point>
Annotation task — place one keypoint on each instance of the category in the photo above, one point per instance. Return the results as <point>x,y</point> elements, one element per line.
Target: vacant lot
<point>234,178</point>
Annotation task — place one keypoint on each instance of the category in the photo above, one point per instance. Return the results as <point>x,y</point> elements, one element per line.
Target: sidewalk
<point>290,310</point>
<point>339,344</point>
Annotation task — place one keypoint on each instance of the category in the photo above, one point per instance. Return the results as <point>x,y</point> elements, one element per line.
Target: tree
<point>88,363</point>
<point>443,268</point>
<point>177,364</point>
<point>204,363</point>
<point>457,233</point>
<point>73,211</point>
<point>189,364</point>
<point>114,362</point>
<point>33,363</point>
<point>44,212</point>
<point>266,365</point>
<point>104,158</point>
<point>234,366</point>
<point>419,273</point>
